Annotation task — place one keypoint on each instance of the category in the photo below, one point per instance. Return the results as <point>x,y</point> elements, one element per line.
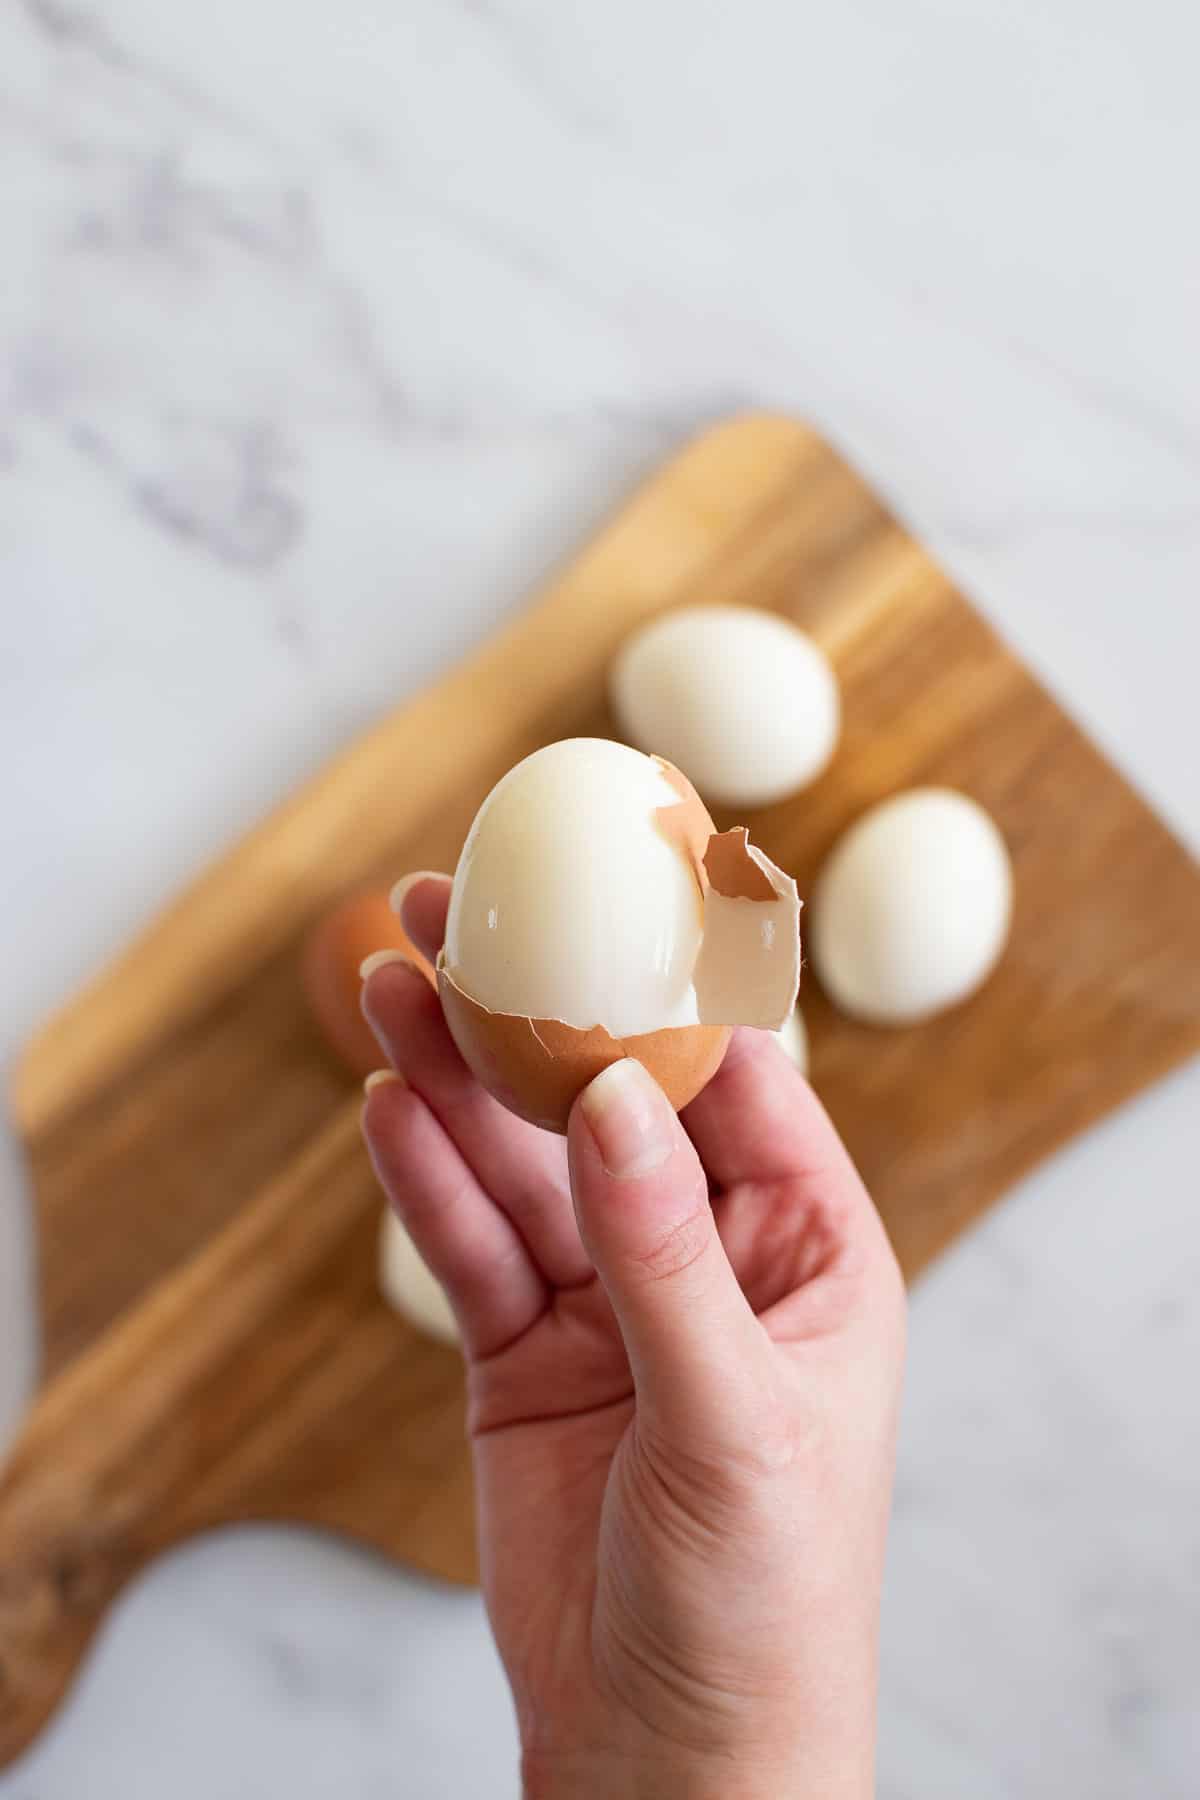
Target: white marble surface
<point>324,330</point>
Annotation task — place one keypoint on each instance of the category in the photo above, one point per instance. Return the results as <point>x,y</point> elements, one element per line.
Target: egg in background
<point>741,699</point>
<point>353,929</point>
<point>792,1038</point>
<point>912,908</point>
<point>408,1286</point>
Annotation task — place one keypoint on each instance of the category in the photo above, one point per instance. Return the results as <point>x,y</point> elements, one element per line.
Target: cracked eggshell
<point>408,1287</point>
<point>742,699</point>
<point>537,1067</point>
<point>748,969</point>
<point>585,924</point>
<point>911,910</point>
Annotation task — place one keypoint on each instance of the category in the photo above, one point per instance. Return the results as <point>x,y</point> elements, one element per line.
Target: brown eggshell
<point>748,969</point>
<point>333,950</point>
<point>736,869</point>
<point>688,823</point>
<point>537,1067</point>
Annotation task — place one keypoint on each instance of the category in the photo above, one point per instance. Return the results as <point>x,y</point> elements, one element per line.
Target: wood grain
<point>215,1347</point>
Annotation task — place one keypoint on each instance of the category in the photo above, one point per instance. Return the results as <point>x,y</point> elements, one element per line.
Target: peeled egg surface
<point>741,699</point>
<point>596,913</point>
<point>408,1286</point>
<point>912,908</point>
<point>569,902</point>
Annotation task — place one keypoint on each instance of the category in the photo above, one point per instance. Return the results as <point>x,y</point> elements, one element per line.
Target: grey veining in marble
<point>324,333</point>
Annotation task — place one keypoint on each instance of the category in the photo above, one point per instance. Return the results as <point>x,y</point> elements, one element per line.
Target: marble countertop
<point>324,332</point>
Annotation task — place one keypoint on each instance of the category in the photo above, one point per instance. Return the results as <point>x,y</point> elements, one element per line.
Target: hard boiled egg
<point>596,913</point>
<point>334,949</point>
<point>408,1286</point>
<point>792,1038</point>
<point>911,910</point>
<point>740,698</point>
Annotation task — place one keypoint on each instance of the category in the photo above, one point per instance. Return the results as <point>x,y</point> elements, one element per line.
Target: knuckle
<point>771,1438</point>
<point>733,1460</point>
<point>767,1449</point>
<point>674,1252</point>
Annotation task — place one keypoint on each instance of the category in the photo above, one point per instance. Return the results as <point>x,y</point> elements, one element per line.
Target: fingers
<point>642,1204</point>
<point>794,1216</point>
<point>467,1243</point>
<point>759,1122</point>
<point>523,1169</point>
<point>420,902</point>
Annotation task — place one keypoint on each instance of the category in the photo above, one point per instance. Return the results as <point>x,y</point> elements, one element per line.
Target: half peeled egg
<point>597,913</point>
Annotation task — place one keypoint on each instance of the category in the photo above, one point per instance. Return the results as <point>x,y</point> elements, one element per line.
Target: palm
<point>551,1414</point>
<point>547,1418</point>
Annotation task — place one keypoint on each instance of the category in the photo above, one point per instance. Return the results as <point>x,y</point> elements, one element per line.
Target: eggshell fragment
<point>742,699</point>
<point>335,948</point>
<point>748,969</point>
<point>408,1286</point>
<point>685,821</point>
<point>912,908</point>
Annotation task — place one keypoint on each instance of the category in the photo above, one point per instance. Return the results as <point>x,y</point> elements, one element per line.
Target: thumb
<point>641,1199</point>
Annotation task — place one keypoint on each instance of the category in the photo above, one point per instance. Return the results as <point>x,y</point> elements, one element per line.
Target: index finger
<point>420,901</point>
<point>758,1121</point>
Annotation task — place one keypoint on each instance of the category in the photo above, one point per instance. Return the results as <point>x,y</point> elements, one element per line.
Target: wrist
<point>613,1778</point>
<point>672,1774</point>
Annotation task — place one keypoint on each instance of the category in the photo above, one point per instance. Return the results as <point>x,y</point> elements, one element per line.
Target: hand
<point>683,1395</point>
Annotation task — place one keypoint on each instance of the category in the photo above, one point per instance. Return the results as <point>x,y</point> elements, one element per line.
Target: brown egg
<point>333,951</point>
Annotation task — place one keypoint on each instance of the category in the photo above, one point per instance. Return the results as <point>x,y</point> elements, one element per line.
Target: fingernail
<point>380,959</point>
<point>630,1118</point>
<point>378,1077</point>
<point>406,884</point>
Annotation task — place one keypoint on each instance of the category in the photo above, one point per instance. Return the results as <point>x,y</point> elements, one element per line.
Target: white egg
<point>570,902</point>
<point>792,1037</point>
<point>742,701</point>
<point>409,1288</point>
<point>911,910</point>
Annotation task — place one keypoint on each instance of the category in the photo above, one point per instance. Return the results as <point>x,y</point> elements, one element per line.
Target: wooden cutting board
<point>215,1347</point>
